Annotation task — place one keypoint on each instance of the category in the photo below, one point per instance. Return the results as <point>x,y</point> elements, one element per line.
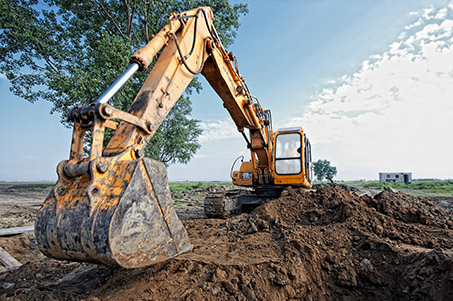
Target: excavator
<point>113,206</point>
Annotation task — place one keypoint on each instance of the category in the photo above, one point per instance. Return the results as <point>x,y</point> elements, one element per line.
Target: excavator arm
<point>192,47</point>
<point>114,207</point>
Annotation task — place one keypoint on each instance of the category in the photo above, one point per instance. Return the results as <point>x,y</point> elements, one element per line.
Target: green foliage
<point>69,52</point>
<point>180,131</point>
<point>322,169</point>
<point>198,185</point>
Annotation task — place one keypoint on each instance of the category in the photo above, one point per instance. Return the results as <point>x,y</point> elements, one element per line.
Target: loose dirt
<point>19,204</point>
<point>328,244</point>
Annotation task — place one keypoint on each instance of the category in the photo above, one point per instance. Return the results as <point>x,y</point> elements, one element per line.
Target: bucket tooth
<point>129,223</point>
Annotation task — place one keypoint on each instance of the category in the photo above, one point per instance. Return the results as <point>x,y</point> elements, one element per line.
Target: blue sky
<point>370,81</point>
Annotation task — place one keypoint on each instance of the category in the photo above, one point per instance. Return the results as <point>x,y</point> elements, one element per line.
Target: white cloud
<point>396,112</point>
<point>218,130</point>
<point>415,24</point>
<point>442,13</point>
<point>2,76</point>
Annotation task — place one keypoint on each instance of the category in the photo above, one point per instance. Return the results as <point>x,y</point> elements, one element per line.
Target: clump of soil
<point>327,244</point>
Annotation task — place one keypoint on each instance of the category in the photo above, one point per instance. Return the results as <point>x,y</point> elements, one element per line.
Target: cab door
<point>290,152</point>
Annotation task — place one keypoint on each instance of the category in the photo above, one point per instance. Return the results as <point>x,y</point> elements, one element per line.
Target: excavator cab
<point>290,165</point>
<point>292,158</point>
<point>291,162</point>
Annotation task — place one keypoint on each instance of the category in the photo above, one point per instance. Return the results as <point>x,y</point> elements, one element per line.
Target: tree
<point>182,133</point>
<point>322,169</point>
<point>331,172</point>
<point>69,52</point>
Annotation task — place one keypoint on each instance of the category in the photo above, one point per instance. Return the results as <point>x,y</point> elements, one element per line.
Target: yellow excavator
<point>114,207</point>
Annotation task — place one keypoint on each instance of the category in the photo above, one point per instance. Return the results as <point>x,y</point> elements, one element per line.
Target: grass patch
<point>419,188</point>
<point>183,186</point>
<point>438,185</point>
<point>27,182</point>
<point>31,186</point>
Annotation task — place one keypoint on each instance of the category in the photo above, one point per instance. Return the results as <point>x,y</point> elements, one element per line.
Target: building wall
<point>398,177</point>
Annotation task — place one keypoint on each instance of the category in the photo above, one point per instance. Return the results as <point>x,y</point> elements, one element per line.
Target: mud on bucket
<point>130,222</point>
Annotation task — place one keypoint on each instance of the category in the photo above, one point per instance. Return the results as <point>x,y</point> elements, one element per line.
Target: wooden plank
<point>16,230</point>
<point>7,260</point>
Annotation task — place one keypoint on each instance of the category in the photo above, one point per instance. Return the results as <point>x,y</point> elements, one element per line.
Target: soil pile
<point>327,244</point>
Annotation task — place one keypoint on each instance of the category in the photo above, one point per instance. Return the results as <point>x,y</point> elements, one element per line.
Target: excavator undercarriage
<point>223,204</point>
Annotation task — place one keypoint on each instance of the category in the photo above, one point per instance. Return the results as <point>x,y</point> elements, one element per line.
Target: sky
<point>371,83</point>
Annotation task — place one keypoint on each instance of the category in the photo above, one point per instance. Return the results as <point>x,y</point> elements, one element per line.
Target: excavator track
<point>223,204</point>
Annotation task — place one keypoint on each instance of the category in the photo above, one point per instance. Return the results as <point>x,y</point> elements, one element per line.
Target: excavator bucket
<point>122,218</point>
<point>113,207</point>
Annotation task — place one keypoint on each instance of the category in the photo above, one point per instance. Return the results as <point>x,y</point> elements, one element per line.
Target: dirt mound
<point>327,244</point>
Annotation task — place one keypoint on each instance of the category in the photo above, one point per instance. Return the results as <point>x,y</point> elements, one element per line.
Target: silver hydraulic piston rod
<point>120,81</point>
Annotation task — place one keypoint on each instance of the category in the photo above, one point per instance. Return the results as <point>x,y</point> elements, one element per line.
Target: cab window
<point>288,150</point>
